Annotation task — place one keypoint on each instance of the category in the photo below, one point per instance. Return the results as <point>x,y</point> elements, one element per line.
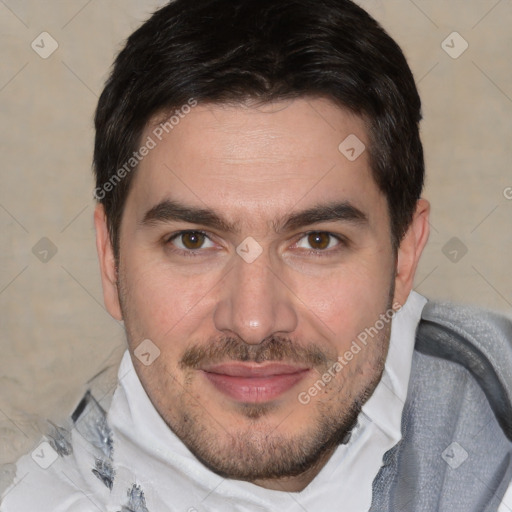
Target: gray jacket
<point>455,454</point>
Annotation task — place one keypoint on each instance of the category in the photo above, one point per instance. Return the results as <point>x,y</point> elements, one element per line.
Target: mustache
<point>273,348</point>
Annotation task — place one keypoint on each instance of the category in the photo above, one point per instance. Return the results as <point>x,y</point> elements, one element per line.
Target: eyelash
<point>342,243</point>
<point>189,253</point>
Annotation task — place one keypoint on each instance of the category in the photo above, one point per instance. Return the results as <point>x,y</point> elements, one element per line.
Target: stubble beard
<point>259,451</point>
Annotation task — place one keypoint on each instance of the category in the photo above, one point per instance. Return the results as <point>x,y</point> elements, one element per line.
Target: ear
<point>410,251</point>
<point>107,264</point>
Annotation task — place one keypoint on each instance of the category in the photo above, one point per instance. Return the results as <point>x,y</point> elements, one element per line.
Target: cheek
<point>163,302</point>
<point>349,300</point>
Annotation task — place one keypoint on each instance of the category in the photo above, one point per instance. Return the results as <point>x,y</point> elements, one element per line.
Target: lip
<point>254,383</point>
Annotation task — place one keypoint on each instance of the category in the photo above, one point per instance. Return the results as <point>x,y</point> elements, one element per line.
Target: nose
<point>255,303</point>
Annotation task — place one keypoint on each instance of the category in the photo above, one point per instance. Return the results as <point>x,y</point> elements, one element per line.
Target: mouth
<point>254,383</point>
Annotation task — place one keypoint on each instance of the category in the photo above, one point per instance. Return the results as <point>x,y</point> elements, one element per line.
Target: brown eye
<point>191,243</point>
<point>319,241</point>
<point>192,240</point>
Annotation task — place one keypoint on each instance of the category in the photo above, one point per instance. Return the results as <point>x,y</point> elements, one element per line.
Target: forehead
<point>256,162</point>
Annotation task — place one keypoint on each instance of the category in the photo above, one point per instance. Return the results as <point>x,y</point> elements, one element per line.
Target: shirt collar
<point>385,406</point>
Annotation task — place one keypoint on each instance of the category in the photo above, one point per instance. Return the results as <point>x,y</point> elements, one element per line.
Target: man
<point>259,175</point>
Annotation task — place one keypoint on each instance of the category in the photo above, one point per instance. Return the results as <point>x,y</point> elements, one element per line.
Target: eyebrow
<point>172,211</point>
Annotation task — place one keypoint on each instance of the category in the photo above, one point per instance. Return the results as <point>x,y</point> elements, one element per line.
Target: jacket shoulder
<point>477,339</point>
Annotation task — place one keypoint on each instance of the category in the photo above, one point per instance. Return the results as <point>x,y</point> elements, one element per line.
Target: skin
<point>302,301</point>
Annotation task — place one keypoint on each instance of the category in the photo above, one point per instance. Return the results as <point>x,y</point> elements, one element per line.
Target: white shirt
<point>147,453</point>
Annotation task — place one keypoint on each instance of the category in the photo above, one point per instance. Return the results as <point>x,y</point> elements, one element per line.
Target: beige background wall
<point>55,333</point>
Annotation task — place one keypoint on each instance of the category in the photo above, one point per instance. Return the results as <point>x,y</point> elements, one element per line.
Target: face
<point>252,254</point>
